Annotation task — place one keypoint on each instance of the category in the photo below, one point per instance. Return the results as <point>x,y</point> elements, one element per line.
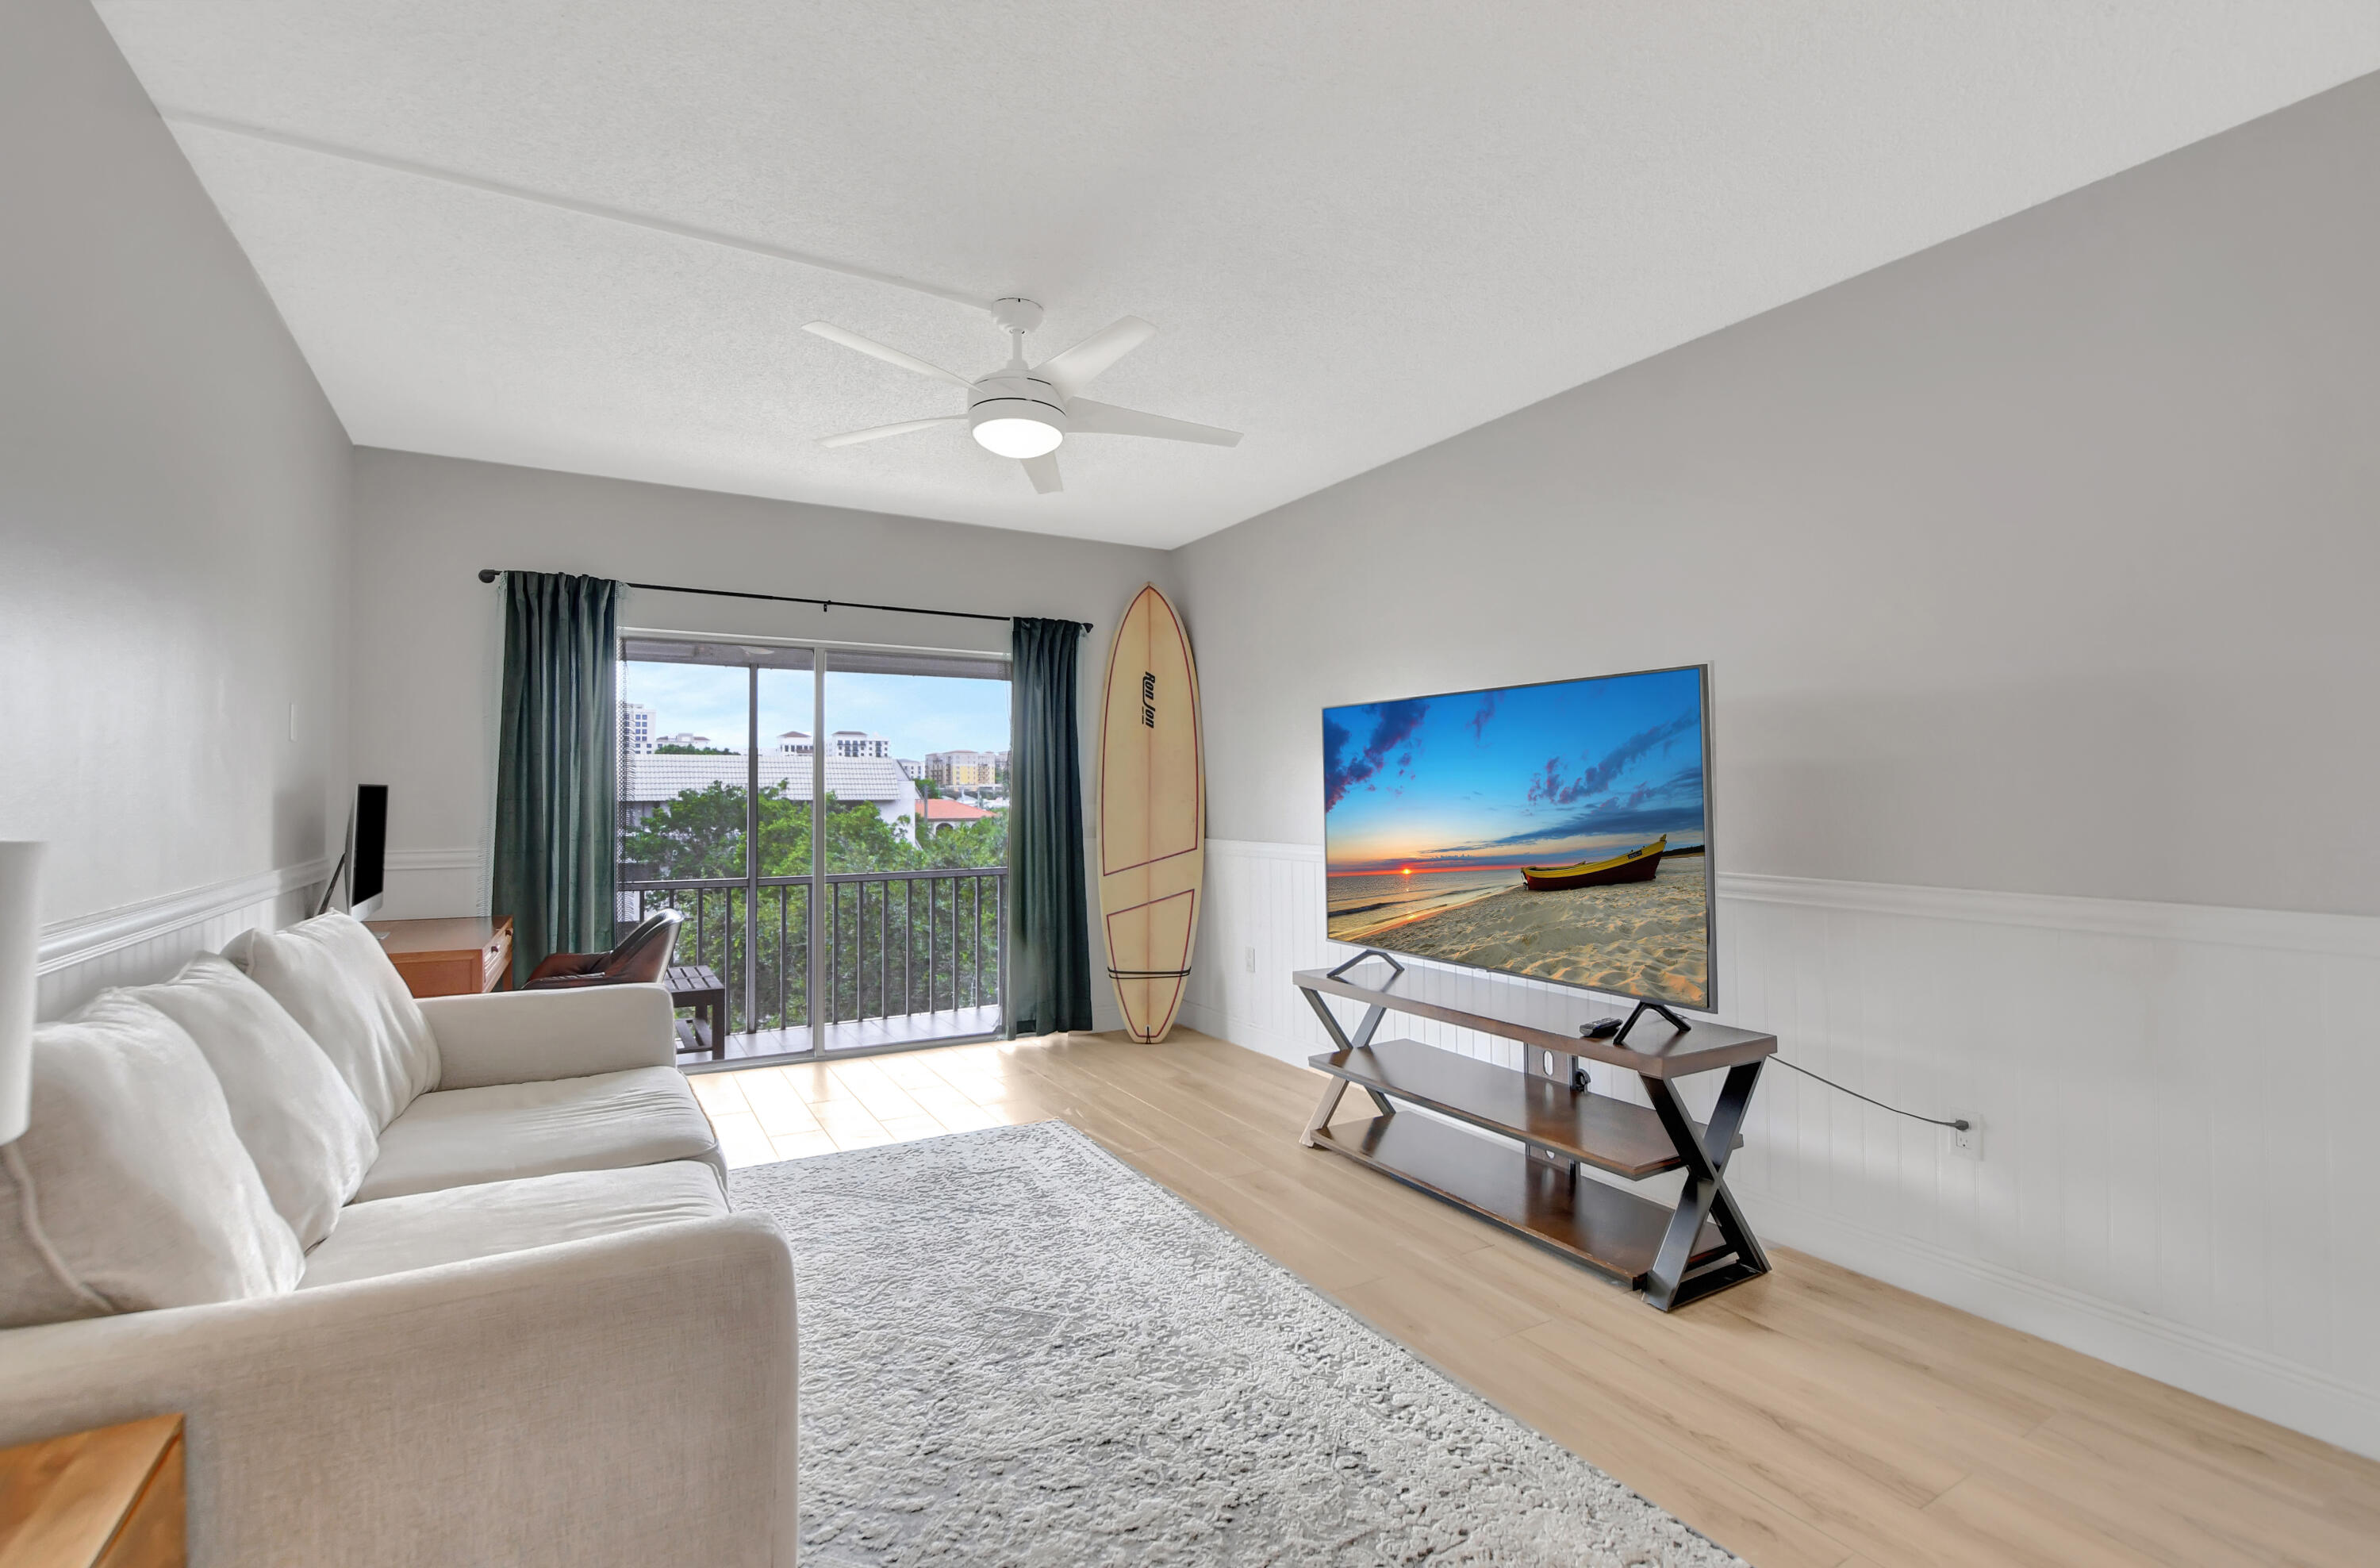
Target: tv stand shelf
<point>1618,1135</point>
<point>1534,1187</point>
<point>1603,1227</point>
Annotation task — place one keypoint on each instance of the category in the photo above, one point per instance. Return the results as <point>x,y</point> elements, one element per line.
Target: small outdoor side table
<point>697,987</point>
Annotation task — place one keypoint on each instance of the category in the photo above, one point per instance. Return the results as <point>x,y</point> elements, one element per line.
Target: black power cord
<point>1962,1124</point>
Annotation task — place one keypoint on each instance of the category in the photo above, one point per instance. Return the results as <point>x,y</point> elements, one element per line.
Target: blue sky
<point>1515,776</point>
<point>916,714</point>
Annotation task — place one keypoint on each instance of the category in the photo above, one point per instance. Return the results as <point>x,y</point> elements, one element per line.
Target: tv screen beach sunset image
<point>1557,831</point>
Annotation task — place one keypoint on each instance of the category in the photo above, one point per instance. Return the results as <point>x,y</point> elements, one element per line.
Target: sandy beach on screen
<point>1640,938</point>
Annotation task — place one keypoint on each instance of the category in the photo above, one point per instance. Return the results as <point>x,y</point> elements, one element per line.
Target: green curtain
<point>1048,927</point>
<point>557,765</point>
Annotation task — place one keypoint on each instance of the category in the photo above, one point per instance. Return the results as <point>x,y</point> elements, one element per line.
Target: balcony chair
<point>641,958</point>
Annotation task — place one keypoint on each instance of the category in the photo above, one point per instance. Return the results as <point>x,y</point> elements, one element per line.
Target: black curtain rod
<point>489,574</point>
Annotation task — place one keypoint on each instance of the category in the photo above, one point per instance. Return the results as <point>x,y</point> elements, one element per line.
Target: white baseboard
<point>2270,1386</point>
<point>1210,1021</point>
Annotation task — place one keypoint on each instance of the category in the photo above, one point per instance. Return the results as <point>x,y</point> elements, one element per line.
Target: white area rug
<point>1016,1349</point>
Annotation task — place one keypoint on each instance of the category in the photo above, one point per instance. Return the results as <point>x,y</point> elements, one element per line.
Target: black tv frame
<point>1710,871</point>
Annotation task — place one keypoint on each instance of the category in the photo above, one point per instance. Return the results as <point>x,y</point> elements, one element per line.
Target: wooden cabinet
<point>109,1498</point>
<point>460,955</point>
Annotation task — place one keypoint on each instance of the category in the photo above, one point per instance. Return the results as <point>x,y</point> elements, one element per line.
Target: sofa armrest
<point>522,1036</point>
<point>626,1399</point>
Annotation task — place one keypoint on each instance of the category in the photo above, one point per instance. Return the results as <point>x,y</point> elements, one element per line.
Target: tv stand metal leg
<point>1670,1284</point>
<point>1338,1040</point>
<point>1329,1108</point>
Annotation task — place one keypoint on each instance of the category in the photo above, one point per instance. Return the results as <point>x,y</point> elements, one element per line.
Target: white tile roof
<point>653,779</point>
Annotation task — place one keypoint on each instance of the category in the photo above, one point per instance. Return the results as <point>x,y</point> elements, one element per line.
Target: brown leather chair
<point>641,958</point>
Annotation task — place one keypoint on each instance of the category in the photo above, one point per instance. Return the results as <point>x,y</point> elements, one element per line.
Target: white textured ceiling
<point>1361,226</point>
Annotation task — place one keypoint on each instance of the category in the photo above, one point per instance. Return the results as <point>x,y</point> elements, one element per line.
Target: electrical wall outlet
<point>1967,1142</point>
<point>1250,960</point>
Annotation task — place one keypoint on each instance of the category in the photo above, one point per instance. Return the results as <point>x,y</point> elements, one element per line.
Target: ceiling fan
<point>1025,411</point>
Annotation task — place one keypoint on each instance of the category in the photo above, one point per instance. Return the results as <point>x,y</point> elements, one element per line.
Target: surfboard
<point>1152,814</point>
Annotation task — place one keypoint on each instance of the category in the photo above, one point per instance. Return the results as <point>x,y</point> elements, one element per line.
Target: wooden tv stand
<point>1536,1189</point>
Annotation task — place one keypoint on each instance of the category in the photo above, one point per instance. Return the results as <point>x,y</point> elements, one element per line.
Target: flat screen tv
<point>1559,831</point>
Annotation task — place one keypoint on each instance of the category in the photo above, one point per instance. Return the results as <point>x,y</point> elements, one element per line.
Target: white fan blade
<point>1043,473</point>
<point>874,349</point>
<point>1081,365</point>
<point>852,438</point>
<point>1106,419</point>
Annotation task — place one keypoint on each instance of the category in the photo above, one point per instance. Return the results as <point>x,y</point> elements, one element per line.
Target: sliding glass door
<point>833,823</point>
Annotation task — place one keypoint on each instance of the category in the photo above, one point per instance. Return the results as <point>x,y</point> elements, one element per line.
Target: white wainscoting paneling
<point>425,882</point>
<point>2175,1103</point>
<point>149,941</point>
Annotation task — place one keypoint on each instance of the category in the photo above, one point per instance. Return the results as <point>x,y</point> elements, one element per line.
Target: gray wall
<point>173,506</point>
<point>2043,561</point>
<point>429,633</point>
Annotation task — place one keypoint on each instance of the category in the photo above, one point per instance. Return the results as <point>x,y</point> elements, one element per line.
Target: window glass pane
<point>917,774</point>
<point>916,766</point>
<point>685,729</point>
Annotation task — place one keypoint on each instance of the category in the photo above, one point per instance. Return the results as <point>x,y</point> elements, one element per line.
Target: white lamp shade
<point>1018,437</point>
<point>20,942</point>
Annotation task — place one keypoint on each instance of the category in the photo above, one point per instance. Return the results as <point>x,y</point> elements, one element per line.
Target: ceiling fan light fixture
<point>1025,411</point>
<point>1014,435</point>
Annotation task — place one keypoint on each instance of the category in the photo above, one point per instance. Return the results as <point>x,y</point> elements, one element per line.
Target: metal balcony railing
<point>886,945</point>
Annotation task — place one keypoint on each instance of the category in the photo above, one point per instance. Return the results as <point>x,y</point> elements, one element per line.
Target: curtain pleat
<point>557,762</point>
<point>1049,923</point>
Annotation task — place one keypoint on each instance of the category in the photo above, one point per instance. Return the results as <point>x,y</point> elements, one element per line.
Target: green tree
<point>897,948</point>
<point>983,841</point>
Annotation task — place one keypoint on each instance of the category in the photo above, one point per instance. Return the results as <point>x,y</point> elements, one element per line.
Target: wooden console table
<point>458,956</point>
<point>1535,1187</point>
<point>108,1498</point>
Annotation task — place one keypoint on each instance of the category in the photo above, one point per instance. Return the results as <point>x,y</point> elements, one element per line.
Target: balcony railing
<point>889,945</point>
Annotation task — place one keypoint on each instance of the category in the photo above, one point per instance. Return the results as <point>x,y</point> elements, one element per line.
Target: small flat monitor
<point>368,865</point>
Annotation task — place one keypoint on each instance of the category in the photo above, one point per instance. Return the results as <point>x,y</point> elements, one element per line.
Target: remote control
<point>1602,1028</point>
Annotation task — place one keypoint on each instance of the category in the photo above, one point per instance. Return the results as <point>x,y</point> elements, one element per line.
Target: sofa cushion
<point>296,1117</point>
<point>335,979</point>
<point>131,1190</point>
<point>457,1137</point>
<point>425,1229</point>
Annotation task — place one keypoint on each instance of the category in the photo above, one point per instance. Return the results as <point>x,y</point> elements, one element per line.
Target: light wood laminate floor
<point>1816,1418</point>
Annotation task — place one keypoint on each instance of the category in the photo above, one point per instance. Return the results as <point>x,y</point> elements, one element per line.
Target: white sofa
<point>444,1283</point>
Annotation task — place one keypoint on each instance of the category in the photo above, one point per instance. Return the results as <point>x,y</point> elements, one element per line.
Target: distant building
<point>689,738</point>
<point>648,782</point>
<point>915,769</point>
<point>959,770</point>
<point>859,743</point>
<point>794,743</point>
<point>636,729</point>
<point>940,814</point>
